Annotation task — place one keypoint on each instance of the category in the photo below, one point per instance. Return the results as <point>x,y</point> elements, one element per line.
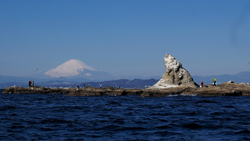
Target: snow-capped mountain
<point>70,68</point>
<point>76,69</point>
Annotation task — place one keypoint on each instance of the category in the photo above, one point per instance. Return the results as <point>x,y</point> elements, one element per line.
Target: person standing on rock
<point>30,83</point>
<point>215,82</point>
<point>201,83</point>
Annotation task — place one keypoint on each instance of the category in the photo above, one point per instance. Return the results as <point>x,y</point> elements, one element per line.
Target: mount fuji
<point>76,69</point>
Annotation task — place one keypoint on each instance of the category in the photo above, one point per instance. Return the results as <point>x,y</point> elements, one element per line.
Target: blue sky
<point>125,37</point>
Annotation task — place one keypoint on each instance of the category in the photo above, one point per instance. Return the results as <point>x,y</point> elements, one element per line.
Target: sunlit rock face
<point>174,76</point>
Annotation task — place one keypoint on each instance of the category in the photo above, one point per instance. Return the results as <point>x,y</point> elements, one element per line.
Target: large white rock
<point>174,76</point>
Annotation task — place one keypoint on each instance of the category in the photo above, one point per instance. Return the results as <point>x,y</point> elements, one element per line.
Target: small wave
<point>192,126</point>
<point>113,103</point>
<point>190,113</point>
<point>174,95</point>
<point>216,113</point>
<point>8,107</point>
<point>52,120</point>
<point>163,133</point>
<point>188,95</point>
<point>133,128</point>
<point>205,101</point>
<point>182,95</point>
<point>243,132</point>
<point>16,127</point>
<point>119,121</point>
<point>14,114</point>
<point>109,127</point>
<point>46,129</point>
<point>163,127</point>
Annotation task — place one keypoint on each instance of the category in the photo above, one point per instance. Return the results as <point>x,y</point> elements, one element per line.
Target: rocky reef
<point>36,90</point>
<point>107,91</point>
<point>225,89</point>
<point>175,75</point>
<point>88,91</point>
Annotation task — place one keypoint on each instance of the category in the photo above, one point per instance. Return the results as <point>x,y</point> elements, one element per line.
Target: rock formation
<point>174,76</point>
<point>225,89</point>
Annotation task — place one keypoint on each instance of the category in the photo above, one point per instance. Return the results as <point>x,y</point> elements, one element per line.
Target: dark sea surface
<point>58,117</point>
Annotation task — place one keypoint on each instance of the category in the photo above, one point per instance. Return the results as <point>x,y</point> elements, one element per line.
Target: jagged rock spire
<point>174,76</point>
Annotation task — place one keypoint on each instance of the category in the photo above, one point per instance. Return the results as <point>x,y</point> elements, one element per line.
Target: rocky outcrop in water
<point>174,76</point>
<point>107,91</point>
<point>225,89</point>
<point>87,91</point>
<point>36,90</point>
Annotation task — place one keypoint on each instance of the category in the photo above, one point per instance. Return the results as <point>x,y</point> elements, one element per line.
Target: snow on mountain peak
<point>72,67</point>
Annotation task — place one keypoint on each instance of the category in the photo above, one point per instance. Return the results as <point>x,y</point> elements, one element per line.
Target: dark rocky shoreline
<point>225,89</point>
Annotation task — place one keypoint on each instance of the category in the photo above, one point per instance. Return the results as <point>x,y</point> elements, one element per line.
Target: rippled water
<point>58,117</point>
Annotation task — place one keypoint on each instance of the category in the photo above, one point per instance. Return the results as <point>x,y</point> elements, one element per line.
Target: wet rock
<point>35,90</point>
<point>163,92</point>
<point>105,91</point>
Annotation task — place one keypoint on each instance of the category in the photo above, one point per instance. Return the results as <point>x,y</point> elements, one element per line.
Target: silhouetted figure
<point>30,83</point>
<point>201,83</point>
<point>215,82</point>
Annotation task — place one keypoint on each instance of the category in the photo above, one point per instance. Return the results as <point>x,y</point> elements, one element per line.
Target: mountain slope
<point>70,68</point>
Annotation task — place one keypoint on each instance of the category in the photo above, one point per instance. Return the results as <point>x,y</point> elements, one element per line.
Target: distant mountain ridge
<point>8,81</point>
<point>241,77</point>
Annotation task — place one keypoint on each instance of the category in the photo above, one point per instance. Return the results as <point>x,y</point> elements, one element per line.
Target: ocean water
<point>58,117</point>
